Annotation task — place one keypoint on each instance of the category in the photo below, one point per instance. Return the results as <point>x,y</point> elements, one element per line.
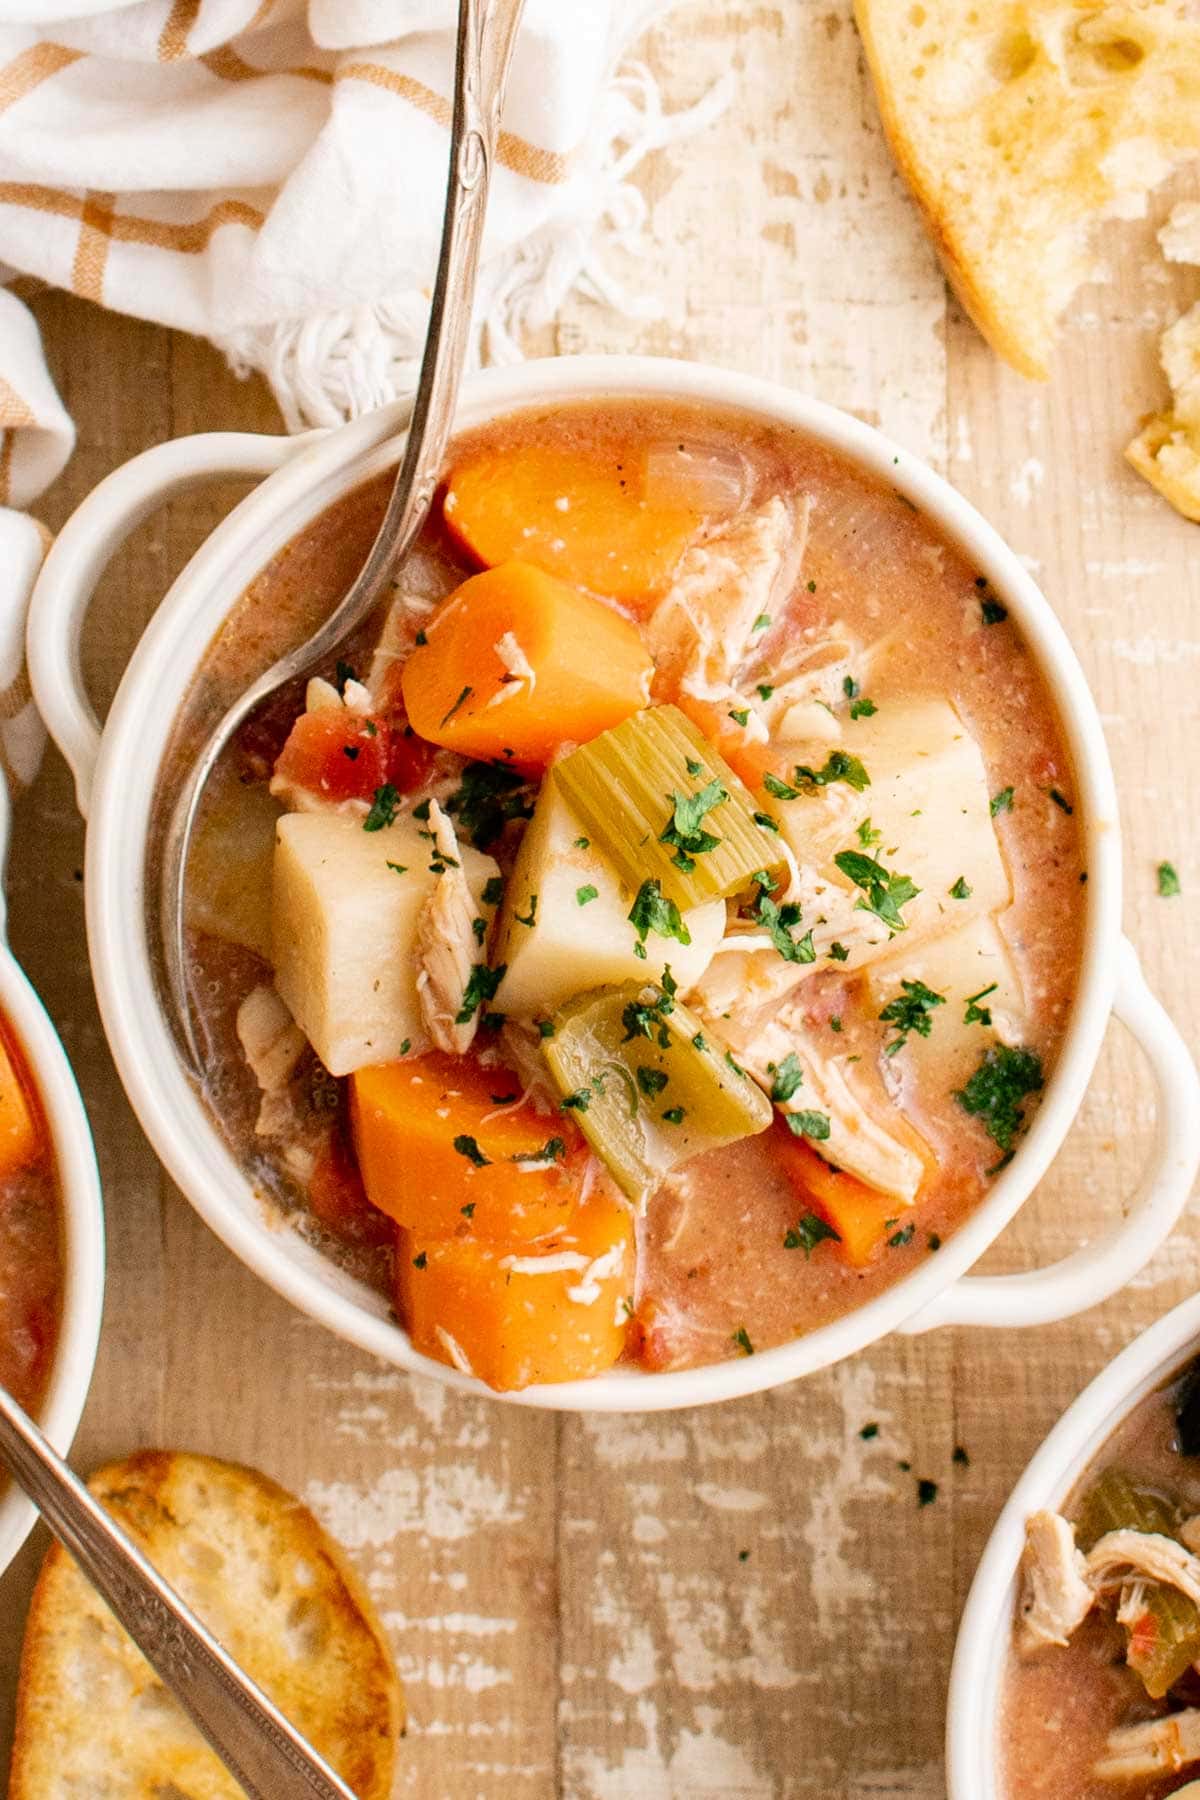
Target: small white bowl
<point>115,784</point>
<point>981,1653</point>
<point>82,1219</point>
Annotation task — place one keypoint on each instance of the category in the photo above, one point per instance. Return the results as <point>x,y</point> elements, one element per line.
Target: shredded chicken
<point>1143,1553</point>
<point>1056,1596</point>
<point>272,1044</point>
<point>446,948</point>
<point>519,1050</point>
<point>703,628</point>
<point>1189,1534</point>
<point>1158,1747</point>
<point>857,1141</point>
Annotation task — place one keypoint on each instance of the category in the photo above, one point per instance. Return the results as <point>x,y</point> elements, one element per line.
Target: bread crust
<point>275,1590</point>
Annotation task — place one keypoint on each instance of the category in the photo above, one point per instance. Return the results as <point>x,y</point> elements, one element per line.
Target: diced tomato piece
<point>410,759</point>
<point>337,754</point>
<point>338,1198</point>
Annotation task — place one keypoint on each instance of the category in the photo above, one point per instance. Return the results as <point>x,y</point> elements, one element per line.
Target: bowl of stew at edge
<point>668,944</point>
<point>51,1232</point>
<point>1077,1671</point>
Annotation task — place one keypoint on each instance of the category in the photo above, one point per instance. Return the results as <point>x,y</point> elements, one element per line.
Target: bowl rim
<point>82,1227</point>
<point>324,467</point>
<point>984,1633</point>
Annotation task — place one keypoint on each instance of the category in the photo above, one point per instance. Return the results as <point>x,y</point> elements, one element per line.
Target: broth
<point>31,1271</point>
<point>883,617</point>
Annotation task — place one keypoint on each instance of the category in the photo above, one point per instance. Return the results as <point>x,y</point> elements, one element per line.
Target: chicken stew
<point>31,1272</point>
<point>655,934</point>
<point>1102,1697</point>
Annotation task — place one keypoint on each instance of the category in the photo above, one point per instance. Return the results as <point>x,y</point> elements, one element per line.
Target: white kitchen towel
<point>270,174</point>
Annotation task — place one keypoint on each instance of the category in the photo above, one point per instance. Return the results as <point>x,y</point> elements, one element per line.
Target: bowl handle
<point>1099,1269</point>
<point>81,552</point>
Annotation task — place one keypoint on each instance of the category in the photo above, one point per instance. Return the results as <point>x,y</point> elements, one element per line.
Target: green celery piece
<point>1166,1639</point>
<point>624,1120</point>
<point>620,786</point>
<point>1116,1501</point>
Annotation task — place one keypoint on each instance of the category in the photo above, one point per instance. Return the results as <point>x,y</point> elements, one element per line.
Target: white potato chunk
<point>960,965</point>
<point>229,868</point>
<point>347,904</point>
<point>572,946</point>
<point>929,801</point>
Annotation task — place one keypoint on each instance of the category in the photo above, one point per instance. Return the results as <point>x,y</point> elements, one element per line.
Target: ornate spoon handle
<point>246,1730</point>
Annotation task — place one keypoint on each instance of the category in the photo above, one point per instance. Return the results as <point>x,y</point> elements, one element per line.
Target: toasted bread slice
<point>1019,125</point>
<point>1167,448</point>
<point>93,1720</point>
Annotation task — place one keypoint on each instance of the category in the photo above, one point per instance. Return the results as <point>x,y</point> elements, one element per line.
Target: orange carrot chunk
<point>20,1134</point>
<point>517,663</point>
<point>581,514</point>
<point>515,1314</point>
<point>443,1147</point>
<point>862,1217</point>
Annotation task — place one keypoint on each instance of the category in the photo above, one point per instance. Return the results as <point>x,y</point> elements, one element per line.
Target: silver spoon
<point>486,33</point>
<point>247,1731</point>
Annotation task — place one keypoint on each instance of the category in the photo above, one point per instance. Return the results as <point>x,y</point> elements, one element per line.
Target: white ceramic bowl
<point>977,1677</point>
<point>82,1218</point>
<point>115,782</point>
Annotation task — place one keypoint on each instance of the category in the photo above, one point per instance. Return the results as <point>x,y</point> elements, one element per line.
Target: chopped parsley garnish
<point>553,1150</point>
<point>546,1028</point>
<point>839,766</point>
<point>740,715</point>
<point>651,911</point>
<point>762,623</point>
<point>766,821</point>
<point>813,1125</point>
<point>530,917</point>
<point>1060,800</point>
<point>351,751</point>
<point>810,1231</point>
<point>812,587</point>
<point>466,1146</point>
<point>420,640</point>
<point>735,1066</point>
<point>976,1014</point>
<point>651,1081</point>
<point>583,843</point>
<point>700,1042</point>
<point>1001,802</point>
<point>384,808</point>
<point>935,1240</point>
<point>869,1431</point>
<point>764,691</point>
<point>586,894</point>
<point>693,767</point>
<point>419,1261</point>
<point>480,988</point>
<point>960,890</point>
<point>398,868</point>
<point>462,699</point>
<point>406,1046</point>
<point>344,673</point>
<point>960,1457</point>
<point>910,1011</point>
<point>579,1101</point>
<point>837,952</point>
<point>741,1338</point>
<point>479,927</point>
<point>786,1078</point>
<point>468,1211</point>
<point>1168,880</point>
<point>927,1491</point>
<point>835,1023</point>
<point>860,706</point>
<point>646,1017</point>
<point>487,797</point>
<point>684,828</point>
<point>493,890</point>
<point>867,835</point>
<point>674,1115</point>
<point>904,1236</point>
<point>885,890</point>
<point>779,922</point>
<point>995,1091</point>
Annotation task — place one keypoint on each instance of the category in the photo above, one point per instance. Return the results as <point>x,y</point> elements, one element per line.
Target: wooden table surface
<point>746,1600</point>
